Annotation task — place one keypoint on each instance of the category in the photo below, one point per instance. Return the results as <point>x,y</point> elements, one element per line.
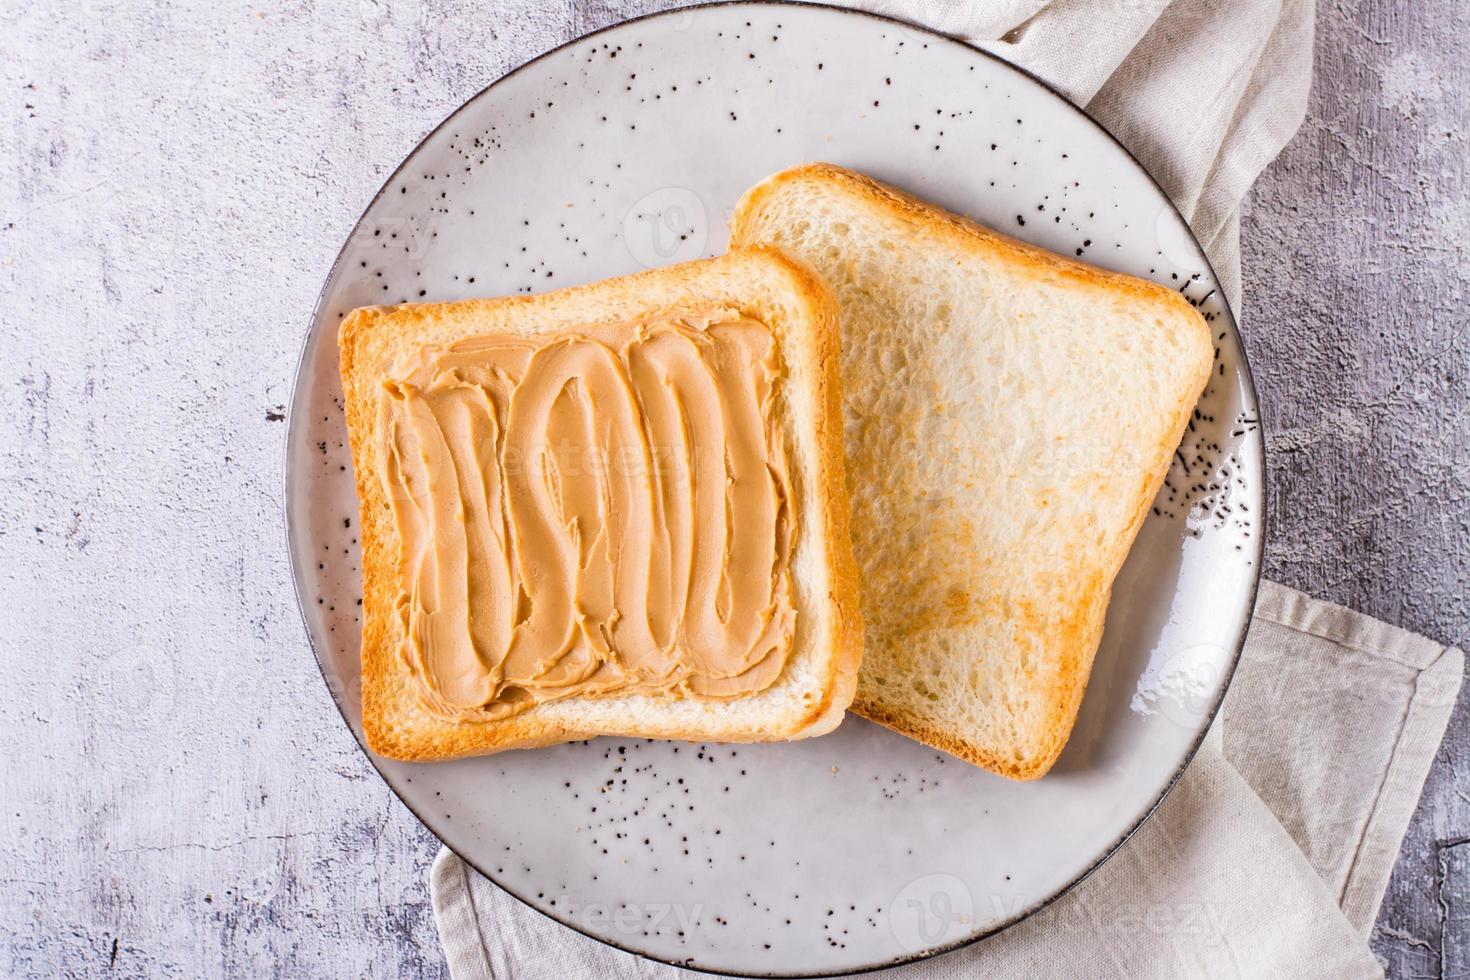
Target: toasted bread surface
<point>1010,414</point>
<point>820,675</point>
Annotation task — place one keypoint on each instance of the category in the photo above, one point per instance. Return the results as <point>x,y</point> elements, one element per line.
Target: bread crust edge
<point>820,334</point>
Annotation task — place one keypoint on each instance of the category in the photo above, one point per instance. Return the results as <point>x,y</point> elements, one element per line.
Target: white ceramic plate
<point>628,149</point>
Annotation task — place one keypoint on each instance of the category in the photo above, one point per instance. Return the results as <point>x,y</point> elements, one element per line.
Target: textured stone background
<point>177,796</point>
<point>1356,275</point>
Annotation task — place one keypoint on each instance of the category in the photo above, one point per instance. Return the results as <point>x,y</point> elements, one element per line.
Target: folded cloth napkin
<point>1272,853</point>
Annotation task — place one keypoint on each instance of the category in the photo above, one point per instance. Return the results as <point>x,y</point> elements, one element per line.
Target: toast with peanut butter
<point>615,509</point>
<point>1010,415</point>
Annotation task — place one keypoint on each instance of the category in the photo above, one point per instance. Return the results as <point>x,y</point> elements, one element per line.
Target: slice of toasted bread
<point>1010,415</point>
<point>819,677</point>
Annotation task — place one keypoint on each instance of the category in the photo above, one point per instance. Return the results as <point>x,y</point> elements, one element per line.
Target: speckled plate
<point>627,149</point>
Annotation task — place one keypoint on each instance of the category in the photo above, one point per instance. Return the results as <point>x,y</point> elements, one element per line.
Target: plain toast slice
<point>1010,415</point>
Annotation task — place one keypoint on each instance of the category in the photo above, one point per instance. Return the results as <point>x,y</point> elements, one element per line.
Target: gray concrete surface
<point>1356,275</point>
<point>177,798</point>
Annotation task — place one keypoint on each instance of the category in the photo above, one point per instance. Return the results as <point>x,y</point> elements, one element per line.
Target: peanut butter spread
<point>595,512</point>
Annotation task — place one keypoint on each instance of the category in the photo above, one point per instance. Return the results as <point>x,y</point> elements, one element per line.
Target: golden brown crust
<point>842,573</point>
<point>761,281</point>
<point>964,233</point>
<point>1074,643</point>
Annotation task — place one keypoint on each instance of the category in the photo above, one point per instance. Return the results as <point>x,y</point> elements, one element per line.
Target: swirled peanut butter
<point>600,511</point>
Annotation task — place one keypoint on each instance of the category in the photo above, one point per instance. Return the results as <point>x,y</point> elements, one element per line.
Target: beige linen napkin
<point>1272,853</point>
